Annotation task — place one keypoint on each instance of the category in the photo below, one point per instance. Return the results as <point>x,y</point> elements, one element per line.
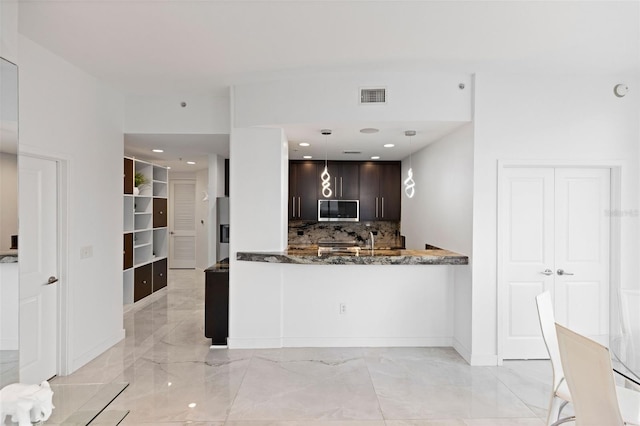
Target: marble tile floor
<point>175,378</point>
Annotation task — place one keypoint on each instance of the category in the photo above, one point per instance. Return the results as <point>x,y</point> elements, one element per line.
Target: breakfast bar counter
<point>311,255</point>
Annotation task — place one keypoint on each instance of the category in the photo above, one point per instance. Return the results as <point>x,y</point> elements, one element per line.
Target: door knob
<point>563,272</point>
<point>547,272</point>
<point>52,280</point>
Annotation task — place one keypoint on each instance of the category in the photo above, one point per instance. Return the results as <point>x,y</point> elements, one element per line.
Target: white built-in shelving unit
<point>145,230</point>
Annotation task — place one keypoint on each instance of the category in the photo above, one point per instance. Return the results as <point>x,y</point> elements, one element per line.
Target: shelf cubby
<point>160,243</point>
<point>159,189</point>
<point>142,204</point>
<point>143,221</point>
<point>127,213</point>
<point>127,286</point>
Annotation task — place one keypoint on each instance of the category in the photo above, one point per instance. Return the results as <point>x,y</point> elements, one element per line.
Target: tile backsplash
<point>388,233</point>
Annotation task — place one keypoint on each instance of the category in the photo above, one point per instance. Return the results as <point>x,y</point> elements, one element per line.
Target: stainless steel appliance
<point>338,210</point>
<point>222,228</point>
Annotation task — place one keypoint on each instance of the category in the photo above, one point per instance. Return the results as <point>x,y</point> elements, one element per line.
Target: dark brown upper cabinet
<point>380,191</point>
<point>345,180</point>
<point>303,196</point>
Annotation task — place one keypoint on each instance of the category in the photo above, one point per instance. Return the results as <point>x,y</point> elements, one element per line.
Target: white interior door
<point>38,232</point>
<point>528,259</point>
<point>182,226</point>
<point>555,236</point>
<point>582,250</point>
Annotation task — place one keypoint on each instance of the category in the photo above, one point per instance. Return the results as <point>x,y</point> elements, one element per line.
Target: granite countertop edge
<point>379,257</point>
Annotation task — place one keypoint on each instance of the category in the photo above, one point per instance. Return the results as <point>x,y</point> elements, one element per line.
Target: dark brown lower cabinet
<point>159,274</point>
<point>142,282</point>
<point>127,251</point>
<point>216,304</point>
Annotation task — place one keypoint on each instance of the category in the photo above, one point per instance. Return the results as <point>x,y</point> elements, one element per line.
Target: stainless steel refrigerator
<point>222,228</point>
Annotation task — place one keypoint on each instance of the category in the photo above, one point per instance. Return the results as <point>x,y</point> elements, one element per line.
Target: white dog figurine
<point>26,404</point>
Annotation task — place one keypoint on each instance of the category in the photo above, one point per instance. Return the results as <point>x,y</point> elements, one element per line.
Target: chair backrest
<point>548,327</point>
<point>589,375</point>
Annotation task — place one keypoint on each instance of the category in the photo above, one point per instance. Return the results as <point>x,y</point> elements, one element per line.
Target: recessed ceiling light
<point>388,145</point>
<point>307,157</point>
<point>192,405</point>
<point>369,130</point>
<point>375,157</point>
<point>191,162</point>
<point>303,144</point>
<point>157,150</point>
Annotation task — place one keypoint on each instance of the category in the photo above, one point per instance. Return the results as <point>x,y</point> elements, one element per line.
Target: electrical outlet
<point>86,252</point>
<point>343,308</point>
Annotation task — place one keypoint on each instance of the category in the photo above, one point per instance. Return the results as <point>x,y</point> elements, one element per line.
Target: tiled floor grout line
<point>373,385</point>
<point>226,419</point>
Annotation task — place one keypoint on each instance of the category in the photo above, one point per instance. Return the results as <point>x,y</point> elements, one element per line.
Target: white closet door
<point>182,227</point>
<point>527,256</point>
<point>555,236</point>
<point>582,199</point>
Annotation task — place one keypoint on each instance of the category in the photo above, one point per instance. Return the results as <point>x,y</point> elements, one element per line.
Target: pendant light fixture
<point>409,184</point>
<point>325,176</point>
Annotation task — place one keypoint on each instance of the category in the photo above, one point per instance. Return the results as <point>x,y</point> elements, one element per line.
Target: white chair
<point>560,395</point>
<point>597,401</point>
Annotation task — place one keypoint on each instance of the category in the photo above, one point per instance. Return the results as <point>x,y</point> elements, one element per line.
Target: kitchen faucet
<point>371,239</point>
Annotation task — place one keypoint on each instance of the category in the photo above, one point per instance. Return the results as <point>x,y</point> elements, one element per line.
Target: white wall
<point>9,30</point>
<point>411,97</point>
<point>204,114</point>
<point>8,199</point>
<point>258,222</point>
<point>441,214</point>
<point>386,305</point>
<point>572,118</point>
<point>68,114</point>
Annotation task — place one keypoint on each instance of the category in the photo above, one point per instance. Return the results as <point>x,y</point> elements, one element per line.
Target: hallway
<point>175,378</point>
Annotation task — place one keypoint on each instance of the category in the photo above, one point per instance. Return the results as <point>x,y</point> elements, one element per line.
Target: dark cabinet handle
<point>161,274</point>
<point>144,281</point>
<point>161,212</point>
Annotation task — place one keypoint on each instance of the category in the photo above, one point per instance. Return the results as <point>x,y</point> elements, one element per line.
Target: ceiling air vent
<point>373,96</point>
<point>351,152</point>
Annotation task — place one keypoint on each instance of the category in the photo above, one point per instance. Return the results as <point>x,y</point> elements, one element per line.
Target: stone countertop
<point>309,256</point>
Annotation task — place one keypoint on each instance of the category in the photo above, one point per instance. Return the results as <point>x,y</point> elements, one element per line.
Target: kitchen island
<point>364,256</point>
<point>298,298</point>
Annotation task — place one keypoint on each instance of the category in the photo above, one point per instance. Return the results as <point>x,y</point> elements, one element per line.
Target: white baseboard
<point>9,345</point>
<point>97,350</point>
<point>359,342</point>
<point>254,343</point>
<point>484,360</point>
<point>337,342</point>
<point>462,350</point>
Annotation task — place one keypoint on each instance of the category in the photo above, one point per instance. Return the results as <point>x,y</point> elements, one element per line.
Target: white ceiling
<point>178,149</point>
<point>161,47</point>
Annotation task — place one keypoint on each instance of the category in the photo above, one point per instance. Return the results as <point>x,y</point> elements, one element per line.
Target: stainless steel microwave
<point>338,210</point>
